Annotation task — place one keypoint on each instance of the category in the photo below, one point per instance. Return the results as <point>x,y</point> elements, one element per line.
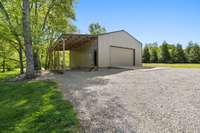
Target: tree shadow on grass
<point>35,107</point>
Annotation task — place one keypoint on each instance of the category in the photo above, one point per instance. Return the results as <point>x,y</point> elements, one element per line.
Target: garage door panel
<point>121,56</point>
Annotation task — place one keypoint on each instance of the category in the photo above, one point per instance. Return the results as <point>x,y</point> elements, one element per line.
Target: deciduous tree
<point>96,28</point>
<point>30,71</point>
<point>48,20</point>
<point>10,28</point>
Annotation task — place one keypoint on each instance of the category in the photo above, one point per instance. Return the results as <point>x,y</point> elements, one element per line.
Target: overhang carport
<point>71,42</point>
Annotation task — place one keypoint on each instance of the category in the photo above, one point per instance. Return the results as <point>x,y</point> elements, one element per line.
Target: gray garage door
<point>121,56</point>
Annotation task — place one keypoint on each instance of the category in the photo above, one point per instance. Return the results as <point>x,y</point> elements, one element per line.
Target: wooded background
<point>171,53</point>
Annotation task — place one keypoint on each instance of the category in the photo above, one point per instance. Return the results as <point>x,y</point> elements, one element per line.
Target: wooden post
<point>53,59</point>
<point>63,54</point>
<point>58,60</point>
<point>50,60</point>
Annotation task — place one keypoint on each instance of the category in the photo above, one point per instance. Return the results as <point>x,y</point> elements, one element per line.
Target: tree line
<point>28,28</point>
<point>171,53</point>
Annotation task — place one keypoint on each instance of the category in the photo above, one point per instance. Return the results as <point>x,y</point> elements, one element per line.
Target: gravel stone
<point>158,100</point>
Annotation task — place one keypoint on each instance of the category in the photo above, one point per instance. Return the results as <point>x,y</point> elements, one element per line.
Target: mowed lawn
<point>34,107</point>
<point>171,65</point>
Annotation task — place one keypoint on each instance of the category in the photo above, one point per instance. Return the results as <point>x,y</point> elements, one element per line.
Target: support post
<point>58,60</point>
<point>54,60</point>
<point>51,59</point>
<point>63,54</point>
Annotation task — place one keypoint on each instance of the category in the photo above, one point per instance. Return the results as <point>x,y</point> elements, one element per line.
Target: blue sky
<point>147,20</point>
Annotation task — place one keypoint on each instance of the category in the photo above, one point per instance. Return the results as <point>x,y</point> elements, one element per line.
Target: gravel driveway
<point>158,100</point>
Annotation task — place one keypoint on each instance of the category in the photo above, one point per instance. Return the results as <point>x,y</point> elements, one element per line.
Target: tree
<point>187,50</point>
<point>189,47</point>
<point>165,55</point>
<point>172,52</point>
<point>146,55</point>
<point>154,56</point>
<point>48,20</point>
<point>30,71</point>
<point>10,27</point>
<point>96,28</point>
<point>194,54</point>
<point>153,50</point>
<point>179,55</point>
<point>7,57</point>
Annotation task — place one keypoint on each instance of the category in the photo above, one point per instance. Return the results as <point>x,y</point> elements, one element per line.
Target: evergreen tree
<point>179,55</point>
<point>173,54</point>
<point>165,55</point>
<point>153,50</point>
<point>194,54</point>
<point>146,55</point>
<point>154,56</point>
<point>171,49</point>
<point>187,50</point>
<point>190,45</point>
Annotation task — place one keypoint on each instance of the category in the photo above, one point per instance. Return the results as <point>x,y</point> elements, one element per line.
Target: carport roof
<point>72,41</point>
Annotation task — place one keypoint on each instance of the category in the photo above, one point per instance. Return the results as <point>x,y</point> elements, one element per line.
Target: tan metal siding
<point>119,39</point>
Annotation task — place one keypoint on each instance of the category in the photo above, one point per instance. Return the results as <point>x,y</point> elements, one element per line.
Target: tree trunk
<point>30,72</point>
<point>4,65</point>
<point>36,58</point>
<point>4,59</point>
<point>46,65</point>
<point>21,61</point>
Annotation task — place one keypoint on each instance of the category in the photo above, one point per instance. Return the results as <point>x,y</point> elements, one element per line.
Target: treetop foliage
<point>96,28</point>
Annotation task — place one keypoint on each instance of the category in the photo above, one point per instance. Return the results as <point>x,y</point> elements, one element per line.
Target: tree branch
<point>13,59</point>
<point>11,27</point>
<point>47,14</point>
<point>12,43</point>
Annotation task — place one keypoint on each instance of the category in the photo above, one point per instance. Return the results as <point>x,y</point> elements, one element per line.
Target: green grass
<point>35,107</point>
<point>4,75</point>
<point>172,65</point>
